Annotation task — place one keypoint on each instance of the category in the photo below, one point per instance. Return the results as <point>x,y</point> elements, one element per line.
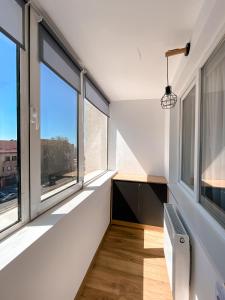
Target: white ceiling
<point>122,42</point>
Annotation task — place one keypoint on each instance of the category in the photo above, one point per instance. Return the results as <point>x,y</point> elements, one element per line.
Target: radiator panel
<point>177,253</point>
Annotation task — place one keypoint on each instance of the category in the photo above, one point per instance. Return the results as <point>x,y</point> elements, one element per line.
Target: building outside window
<point>9,174</point>
<point>58,111</point>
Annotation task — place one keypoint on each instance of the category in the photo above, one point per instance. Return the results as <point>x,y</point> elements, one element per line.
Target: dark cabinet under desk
<point>139,202</point>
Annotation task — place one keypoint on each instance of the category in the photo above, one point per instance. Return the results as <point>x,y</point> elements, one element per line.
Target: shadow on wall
<point>137,137</point>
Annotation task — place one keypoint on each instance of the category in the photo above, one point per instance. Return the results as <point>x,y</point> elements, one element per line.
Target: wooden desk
<point>139,199</point>
<point>140,178</point>
<point>215,183</point>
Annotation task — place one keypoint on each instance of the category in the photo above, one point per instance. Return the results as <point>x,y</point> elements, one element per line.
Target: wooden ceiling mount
<point>184,51</point>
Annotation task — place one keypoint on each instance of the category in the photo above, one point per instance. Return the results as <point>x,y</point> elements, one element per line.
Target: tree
<point>58,157</point>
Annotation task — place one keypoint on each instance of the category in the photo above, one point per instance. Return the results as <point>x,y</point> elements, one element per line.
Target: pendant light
<point>169,99</point>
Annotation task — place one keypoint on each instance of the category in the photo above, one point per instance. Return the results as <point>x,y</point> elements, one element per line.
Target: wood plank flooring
<point>130,265</point>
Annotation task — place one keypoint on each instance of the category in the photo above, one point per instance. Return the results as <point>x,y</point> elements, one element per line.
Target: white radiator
<point>177,253</point>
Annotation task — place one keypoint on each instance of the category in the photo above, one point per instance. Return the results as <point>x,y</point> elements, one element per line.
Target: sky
<point>58,103</point>
<point>58,107</point>
<point>8,110</point>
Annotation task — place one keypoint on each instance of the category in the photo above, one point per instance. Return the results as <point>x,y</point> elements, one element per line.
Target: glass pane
<point>213,136</point>
<point>9,173</point>
<point>95,141</point>
<point>58,115</point>
<point>188,139</point>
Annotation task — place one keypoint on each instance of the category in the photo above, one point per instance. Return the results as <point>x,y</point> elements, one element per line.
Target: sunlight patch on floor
<point>154,274</point>
<point>153,239</point>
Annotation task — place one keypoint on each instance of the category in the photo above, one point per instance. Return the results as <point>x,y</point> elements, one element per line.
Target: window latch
<point>34,118</point>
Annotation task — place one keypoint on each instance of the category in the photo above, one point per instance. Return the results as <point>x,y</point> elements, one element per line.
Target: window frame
<point>29,137</point>
<point>197,82</point>
<point>37,206</point>
<point>107,146</point>
<point>193,83</point>
<point>47,196</point>
<point>209,212</point>
<point>23,132</point>
<point>182,98</point>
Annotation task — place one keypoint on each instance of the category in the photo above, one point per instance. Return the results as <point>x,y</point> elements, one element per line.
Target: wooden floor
<point>130,265</point>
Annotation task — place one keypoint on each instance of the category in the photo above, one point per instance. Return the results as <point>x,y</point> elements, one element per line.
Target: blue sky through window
<point>58,99</point>
<point>58,112</point>
<point>8,93</point>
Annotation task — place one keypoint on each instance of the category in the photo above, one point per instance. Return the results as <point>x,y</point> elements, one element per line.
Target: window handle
<point>34,118</point>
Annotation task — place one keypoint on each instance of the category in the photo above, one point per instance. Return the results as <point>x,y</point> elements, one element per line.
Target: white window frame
<point>211,233</point>
<point>197,135</point>
<point>37,206</point>
<point>30,163</point>
<point>86,179</point>
<point>24,135</point>
<point>213,49</point>
<point>195,82</point>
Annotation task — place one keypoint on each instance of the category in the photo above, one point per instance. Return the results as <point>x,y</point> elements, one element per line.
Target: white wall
<point>53,267</point>
<point>207,236</point>
<point>136,133</point>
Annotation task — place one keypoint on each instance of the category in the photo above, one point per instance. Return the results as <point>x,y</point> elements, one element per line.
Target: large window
<point>50,136</point>
<point>54,135</point>
<point>188,139</point>
<point>9,138</point>
<point>96,113</point>
<point>95,141</point>
<point>213,135</point>
<point>58,130</point>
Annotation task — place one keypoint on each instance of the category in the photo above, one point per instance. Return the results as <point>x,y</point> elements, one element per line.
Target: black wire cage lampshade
<point>169,99</point>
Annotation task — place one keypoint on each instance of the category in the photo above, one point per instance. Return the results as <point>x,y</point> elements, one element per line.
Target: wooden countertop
<point>215,183</point>
<point>140,178</point>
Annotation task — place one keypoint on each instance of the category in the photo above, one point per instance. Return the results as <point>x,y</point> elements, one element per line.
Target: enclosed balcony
<point>112,161</point>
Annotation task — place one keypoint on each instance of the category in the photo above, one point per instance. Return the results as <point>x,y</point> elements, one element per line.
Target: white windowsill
<point>93,176</point>
<point>58,190</point>
<point>14,245</point>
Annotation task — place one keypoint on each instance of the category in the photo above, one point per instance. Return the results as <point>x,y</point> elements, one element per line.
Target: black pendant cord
<point>167,72</point>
